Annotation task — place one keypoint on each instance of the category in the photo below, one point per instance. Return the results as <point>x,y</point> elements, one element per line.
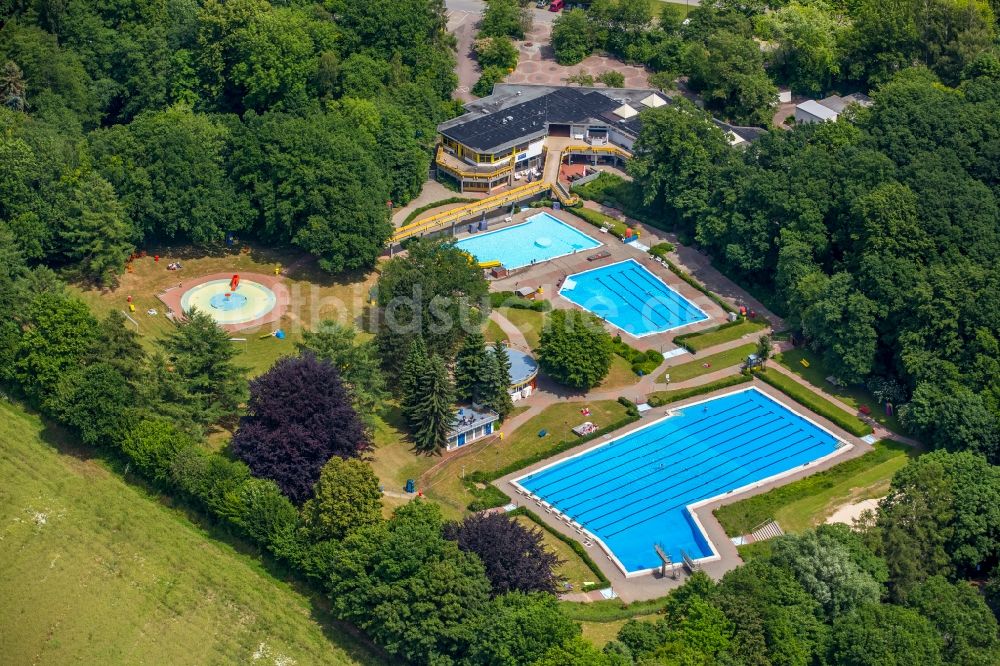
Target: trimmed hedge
<point>661,398</point>
<point>643,362</point>
<point>684,339</point>
<point>434,204</point>
<point>489,497</point>
<point>661,250</point>
<point>600,220</point>
<point>508,299</point>
<point>564,445</point>
<point>609,610</point>
<point>602,580</point>
<point>684,275</point>
<point>816,403</point>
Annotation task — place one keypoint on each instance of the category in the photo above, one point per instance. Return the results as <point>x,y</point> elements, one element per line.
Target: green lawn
<point>314,295</point>
<point>602,633</point>
<point>620,374</point>
<point>445,485</point>
<point>573,570</point>
<point>680,6</point>
<point>96,571</point>
<point>816,374</point>
<point>529,322</point>
<point>716,336</point>
<point>493,332</point>
<point>809,501</point>
<point>816,402</point>
<point>696,368</point>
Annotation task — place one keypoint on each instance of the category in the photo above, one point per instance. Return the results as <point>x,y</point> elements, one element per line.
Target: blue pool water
<point>540,238</point>
<point>630,297</point>
<point>633,492</point>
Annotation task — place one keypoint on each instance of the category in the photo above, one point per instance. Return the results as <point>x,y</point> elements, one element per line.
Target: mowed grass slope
<point>95,571</point>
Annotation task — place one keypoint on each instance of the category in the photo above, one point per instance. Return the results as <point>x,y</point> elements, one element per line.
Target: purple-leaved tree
<point>514,556</point>
<point>299,416</point>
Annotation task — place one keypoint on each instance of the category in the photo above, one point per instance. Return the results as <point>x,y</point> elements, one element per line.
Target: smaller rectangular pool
<point>540,238</point>
<point>630,297</point>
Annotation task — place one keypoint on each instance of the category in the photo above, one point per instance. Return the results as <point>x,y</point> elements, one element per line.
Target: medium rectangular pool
<point>540,238</point>
<point>633,492</point>
<point>631,298</point>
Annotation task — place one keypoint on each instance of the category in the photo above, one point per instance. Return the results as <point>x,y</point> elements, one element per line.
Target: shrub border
<point>682,340</point>
<point>819,405</point>
<point>416,212</point>
<point>562,446</point>
<point>682,394</point>
<point>575,546</point>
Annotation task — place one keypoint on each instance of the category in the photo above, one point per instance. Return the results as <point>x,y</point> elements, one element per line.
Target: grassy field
<point>444,483</point>
<point>816,374</point>
<point>809,501</point>
<point>573,570</point>
<point>620,375</point>
<point>96,571</point>
<point>529,322</point>
<point>816,402</point>
<point>700,341</point>
<point>682,7</point>
<point>315,295</point>
<point>493,332</point>
<point>696,368</point>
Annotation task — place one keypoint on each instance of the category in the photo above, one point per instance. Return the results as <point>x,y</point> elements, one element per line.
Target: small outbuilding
<point>523,374</point>
<point>471,423</point>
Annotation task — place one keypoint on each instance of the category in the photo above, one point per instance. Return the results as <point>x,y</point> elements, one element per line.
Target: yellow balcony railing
<point>485,174</point>
<point>607,149</point>
<point>439,221</point>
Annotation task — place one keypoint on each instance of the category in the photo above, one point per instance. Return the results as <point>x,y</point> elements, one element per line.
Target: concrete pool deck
<point>171,297</point>
<point>549,276</point>
<point>651,586</point>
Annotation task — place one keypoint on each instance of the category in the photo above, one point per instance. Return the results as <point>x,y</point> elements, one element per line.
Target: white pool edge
<point>705,315</point>
<point>521,224</point>
<point>691,508</point>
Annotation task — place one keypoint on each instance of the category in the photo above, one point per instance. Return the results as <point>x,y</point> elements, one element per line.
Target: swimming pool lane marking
<point>682,477</point>
<point>724,482</point>
<point>651,435</point>
<point>704,457</point>
<point>689,307</point>
<point>717,490</point>
<point>661,451</point>
<point>673,470</point>
<point>651,431</point>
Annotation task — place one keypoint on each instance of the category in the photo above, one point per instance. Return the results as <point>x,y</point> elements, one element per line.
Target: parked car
<point>541,4</point>
<point>556,5</point>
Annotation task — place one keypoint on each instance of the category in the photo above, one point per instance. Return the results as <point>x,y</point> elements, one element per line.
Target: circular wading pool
<point>249,301</point>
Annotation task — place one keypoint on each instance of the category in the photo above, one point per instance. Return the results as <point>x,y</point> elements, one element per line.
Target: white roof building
<point>828,108</point>
<point>811,111</point>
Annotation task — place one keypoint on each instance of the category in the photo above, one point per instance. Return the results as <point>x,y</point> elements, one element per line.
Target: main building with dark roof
<point>502,138</point>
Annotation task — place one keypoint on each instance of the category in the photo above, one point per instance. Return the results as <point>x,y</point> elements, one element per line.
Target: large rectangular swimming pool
<point>633,492</point>
<point>540,238</point>
<point>631,298</point>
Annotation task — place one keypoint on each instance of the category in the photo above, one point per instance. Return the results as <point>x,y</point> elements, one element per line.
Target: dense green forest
<point>183,121</point>
<point>879,238</point>
<point>876,237</point>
